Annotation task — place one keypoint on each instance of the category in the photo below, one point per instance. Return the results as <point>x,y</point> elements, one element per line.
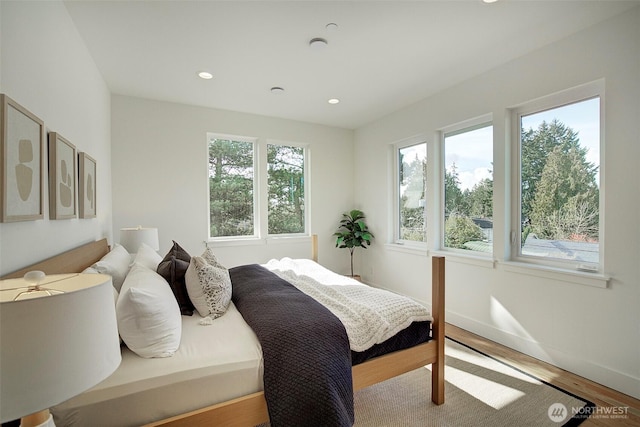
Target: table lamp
<point>132,238</point>
<point>59,337</point>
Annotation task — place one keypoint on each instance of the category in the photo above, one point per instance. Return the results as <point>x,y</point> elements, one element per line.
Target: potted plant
<point>353,233</point>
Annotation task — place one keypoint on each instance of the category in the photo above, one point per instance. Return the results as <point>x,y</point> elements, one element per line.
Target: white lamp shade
<point>132,238</point>
<point>55,347</point>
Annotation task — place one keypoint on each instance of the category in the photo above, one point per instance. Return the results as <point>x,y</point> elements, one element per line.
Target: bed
<point>241,376</point>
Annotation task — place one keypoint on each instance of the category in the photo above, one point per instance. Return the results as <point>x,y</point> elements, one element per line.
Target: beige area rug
<point>479,391</point>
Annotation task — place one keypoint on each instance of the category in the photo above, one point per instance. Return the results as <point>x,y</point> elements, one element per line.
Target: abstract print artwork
<point>86,186</point>
<point>21,167</point>
<point>62,178</point>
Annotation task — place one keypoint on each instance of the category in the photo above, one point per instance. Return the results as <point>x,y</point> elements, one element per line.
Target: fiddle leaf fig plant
<point>353,233</point>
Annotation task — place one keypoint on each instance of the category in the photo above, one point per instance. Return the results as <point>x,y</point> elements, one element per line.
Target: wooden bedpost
<point>314,247</point>
<point>437,311</point>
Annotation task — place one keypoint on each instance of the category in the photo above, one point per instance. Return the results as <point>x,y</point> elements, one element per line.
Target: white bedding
<point>222,361</point>
<point>370,315</point>
<point>213,364</point>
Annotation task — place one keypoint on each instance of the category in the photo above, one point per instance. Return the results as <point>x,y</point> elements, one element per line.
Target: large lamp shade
<point>56,341</point>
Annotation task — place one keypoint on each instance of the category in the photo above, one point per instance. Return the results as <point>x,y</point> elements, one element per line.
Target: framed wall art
<point>62,178</point>
<point>86,186</point>
<point>22,163</point>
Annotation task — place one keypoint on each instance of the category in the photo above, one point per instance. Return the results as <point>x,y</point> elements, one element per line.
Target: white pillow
<point>147,257</point>
<point>90,270</point>
<point>115,264</point>
<point>149,319</point>
<point>209,287</point>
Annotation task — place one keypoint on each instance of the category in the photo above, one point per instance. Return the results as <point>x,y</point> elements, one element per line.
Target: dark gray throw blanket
<point>307,360</point>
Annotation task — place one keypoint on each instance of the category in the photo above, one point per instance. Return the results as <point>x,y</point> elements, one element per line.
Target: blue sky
<point>583,117</point>
<point>472,152</point>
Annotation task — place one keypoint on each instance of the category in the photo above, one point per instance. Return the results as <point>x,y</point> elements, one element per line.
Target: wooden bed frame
<point>251,410</point>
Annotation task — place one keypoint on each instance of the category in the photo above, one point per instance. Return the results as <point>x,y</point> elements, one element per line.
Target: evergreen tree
<point>231,176</point>
<point>454,201</point>
<point>413,178</point>
<point>535,148</point>
<point>480,199</point>
<point>286,189</point>
<point>231,188</point>
<point>566,196</point>
<point>559,188</point>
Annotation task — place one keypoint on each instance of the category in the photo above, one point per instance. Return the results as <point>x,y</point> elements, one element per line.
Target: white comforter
<point>370,315</point>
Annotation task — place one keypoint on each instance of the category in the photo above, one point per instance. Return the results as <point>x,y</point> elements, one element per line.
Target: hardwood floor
<point>602,396</point>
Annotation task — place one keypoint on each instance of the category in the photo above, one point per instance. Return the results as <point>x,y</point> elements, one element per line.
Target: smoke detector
<point>318,43</point>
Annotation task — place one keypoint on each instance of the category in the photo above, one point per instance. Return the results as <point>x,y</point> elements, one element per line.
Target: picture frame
<point>86,185</point>
<point>62,178</point>
<point>22,150</point>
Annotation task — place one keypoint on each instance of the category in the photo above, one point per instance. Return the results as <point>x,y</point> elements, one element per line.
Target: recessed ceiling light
<point>331,26</point>
<point>277,89</point>
<point>205,75</point>
<point>318,43</point>
<point>489,1</point>
<point>333,101</point>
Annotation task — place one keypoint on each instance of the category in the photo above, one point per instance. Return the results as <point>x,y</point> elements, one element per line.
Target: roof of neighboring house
<point>562,249</point>
<point>483,222</point>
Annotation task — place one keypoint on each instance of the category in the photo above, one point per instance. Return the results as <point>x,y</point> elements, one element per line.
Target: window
<point>286,189</point>
<point>244,171</point>
<point>468,188</point>
<point>559,208</point>
<point>412,180</point>
<point>231,187</point>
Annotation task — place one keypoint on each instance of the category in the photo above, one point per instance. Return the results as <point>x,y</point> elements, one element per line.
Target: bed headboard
<point>77,259</point>
<point>71,261</point>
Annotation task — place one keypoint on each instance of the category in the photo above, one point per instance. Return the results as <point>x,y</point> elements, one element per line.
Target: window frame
<point>256,218</point>
<point>306,152</point>
<point>470,125</point>
<point>261,190</point>
<point>560,99</point>
<point>395,192</point>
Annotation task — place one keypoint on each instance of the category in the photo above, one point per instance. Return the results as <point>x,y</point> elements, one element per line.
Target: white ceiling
<point>382,57</point>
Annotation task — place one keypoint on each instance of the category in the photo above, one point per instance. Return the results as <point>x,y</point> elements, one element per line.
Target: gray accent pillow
<point>173,268</point>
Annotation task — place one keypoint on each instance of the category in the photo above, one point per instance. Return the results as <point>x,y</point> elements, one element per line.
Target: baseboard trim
<point>616,380</point>
<point>608,377</point>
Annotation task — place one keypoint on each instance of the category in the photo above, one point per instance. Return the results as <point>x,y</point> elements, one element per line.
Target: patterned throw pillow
<point>209,287</point>
<point>211,258</point>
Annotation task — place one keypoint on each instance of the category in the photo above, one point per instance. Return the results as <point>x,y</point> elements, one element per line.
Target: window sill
<point>244,241</point>
<point>471,259</point>
<point>257,241</point>
<point>422,251</point>
<point>597,280</point>
<point>418,250</point>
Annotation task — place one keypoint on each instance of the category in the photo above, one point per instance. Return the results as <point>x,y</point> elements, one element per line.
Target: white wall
<point>591,331</point>
<point>46,68</point>
<point>160,163</point>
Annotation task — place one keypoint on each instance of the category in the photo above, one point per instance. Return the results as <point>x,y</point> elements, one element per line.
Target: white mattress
<point>214,363</point>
